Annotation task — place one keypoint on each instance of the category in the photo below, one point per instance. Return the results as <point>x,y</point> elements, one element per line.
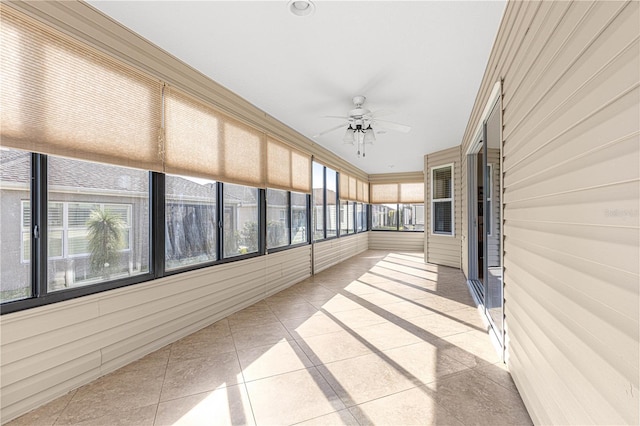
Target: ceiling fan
<point>361,123</point>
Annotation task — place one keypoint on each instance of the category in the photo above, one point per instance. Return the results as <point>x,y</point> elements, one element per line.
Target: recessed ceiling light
<point>301,7</point>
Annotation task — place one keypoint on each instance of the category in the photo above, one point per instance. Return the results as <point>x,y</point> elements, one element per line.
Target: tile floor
<point>379,339</point>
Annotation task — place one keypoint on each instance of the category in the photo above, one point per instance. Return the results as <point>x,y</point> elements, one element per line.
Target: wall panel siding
<point>331,252</point>
<point>400,241</point>
<point>53,349</point>
<point>439,249</point>
<point>571,172</point>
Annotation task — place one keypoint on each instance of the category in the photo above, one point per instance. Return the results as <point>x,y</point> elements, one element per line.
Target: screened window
<point>318,201</point>
<point>442,200</point>
<point>97,223</point>
<point>15,225</point>
<point>332,202</point>
<point>347,212</point>
<point>190,221</point>
<point>240,220</point>
<point>411,217</point>
<point>277,218</point>
<point>384,217</point>
<point>361,217</point>
<point>298,218</point>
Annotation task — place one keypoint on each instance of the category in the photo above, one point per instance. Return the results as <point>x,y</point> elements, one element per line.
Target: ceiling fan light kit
<point>360,123</point>
<point>301,7</point>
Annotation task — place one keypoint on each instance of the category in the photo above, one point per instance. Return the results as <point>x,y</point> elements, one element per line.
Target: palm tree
<point>105,239</point>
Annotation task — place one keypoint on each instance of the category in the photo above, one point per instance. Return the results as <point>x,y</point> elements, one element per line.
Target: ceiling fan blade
<point>340,126</point>
<point>380,113</point>
<point>391,125</point>
<point>341,117</point>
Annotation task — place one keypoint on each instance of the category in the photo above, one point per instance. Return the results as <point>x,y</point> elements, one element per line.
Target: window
<point>15,225</point>
<point>240,220</point>
<point>277,218</point>
<point>332,202</point>
<point>347,211</point>
<point>384,217</point>
<point>325,202</point>
<point>442,200</point>
<point>361,217</point>
<point>97,223</point>
<point>298,218</point>
<point>190,221</point>
<point>318,201</point>
<point>411,217</point>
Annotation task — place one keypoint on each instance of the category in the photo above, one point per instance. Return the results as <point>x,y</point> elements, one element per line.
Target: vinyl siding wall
<point>51,350</point>
<point>331,252</point>
<point>401,241</point>
<point>571,195</point>
<point>443,249</point>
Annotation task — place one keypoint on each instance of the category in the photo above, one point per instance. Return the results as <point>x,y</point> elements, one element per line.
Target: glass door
<point>492,232</point>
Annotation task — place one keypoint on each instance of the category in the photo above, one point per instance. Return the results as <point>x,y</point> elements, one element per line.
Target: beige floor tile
<point>311,326</point>
<point>500,374</point>
<point>475,399</point>
<point>388,335</point>
<point>423,362</point>
<point>364,378</point>
<point>470,349</point>
<point>440,325</point>
<point>408,309</point>
<point>381,298</point>
<point>199,345</point>
<point>337,303</point>
<point>260,335</point>
<point>294,310</point>
<point>338,418</point>
<point>292,398</point>
<point>415,406</point>
<point>248,318</point>
<point>45,415</point>
<point>199,375</point>
<point>113,394</point>
<point>224,406</point>
<point>271,360</point>
<point>143,416</point>
<point>333,347</point>
<point>357,318</point>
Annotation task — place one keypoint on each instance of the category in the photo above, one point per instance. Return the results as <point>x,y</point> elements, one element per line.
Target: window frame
<point>450,199</point>
<point>489,213</point>
<point>38,200</point>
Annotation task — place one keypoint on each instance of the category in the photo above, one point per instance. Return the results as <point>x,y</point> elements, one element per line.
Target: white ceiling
<point>423,60</point>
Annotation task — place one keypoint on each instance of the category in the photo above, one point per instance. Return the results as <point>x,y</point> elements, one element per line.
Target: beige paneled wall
<point>571,111</point>
<point>53,349</point>
<point>402,241</point>
<point>443,249</point>
<point>331,252</point>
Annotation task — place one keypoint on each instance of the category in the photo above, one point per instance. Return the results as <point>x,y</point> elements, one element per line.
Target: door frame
<point>478,289</point>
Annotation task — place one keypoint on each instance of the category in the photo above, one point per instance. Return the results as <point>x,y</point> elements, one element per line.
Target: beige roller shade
<point>61,97</point>
<point>362,193</point>
<point>397,193</point>
<point>353,188</point>
<point>202,141</point>
<point>348,187</point>
<point>287,168</point>
<point>344,186</point>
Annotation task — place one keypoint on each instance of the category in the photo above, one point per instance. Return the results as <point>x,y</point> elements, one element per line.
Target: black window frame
<point>41,296</point>
<point>398,220</point>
